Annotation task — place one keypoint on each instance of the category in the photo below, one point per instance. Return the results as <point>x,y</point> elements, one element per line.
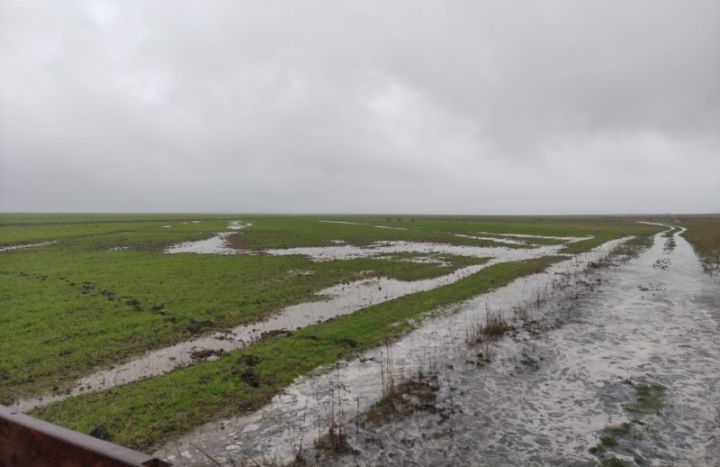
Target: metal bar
<point>27,441</point>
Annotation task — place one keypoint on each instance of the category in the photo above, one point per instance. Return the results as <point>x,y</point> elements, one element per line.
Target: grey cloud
<point>399,106</point>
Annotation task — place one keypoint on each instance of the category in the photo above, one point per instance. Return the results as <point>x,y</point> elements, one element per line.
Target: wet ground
<point>551,399</point>
<point>336,301</point>
<point>273,431</point>
<point>618,362</point>
<point>219,245</point>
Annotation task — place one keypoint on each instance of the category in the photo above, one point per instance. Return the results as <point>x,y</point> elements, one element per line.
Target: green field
<point>704,235</point>
<point>105,293</point>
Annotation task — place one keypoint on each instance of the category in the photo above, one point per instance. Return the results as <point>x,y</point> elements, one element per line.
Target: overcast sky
<point>501,107</point>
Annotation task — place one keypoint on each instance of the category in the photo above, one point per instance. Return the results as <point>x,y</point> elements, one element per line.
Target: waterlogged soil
<point>302,413</point>
<point>338,300</point>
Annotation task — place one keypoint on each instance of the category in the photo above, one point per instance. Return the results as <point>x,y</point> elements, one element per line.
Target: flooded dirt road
<point>651,326</point>
<point>618,363</point>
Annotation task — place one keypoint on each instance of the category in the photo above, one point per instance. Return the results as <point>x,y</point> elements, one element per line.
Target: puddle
<point>486,236</point>
<point>238,225</point>
<point>549,237</point>
<point>547,394</point>
<point>216,245</point>
<point>390,228</point>
<point>341,222</point>
<point>340,250</point>
<point>494,239</point>
<point>25,245</point>
<point>416,259</point>
<point>347,252</point>
<point>300,414</point>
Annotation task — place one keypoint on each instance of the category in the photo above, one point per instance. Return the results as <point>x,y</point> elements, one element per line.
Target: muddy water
<point>301,414</point>
<point>339,300</point>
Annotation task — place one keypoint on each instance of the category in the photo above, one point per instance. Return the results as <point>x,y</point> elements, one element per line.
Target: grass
<point>614,462</point>
<point>635,245</point>
<point>409,396</point>
<point>495,325</point>
<point>619,430</point>
<point>492,328</point>
<point>704,235</point>
<point>608,441</point>
<point>147,413</point>
<point>650,399</point>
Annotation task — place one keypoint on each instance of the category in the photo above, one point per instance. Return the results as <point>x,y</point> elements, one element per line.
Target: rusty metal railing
<point>27,441</point>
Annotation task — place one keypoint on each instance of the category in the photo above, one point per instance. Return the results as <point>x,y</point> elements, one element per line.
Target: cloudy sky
<point>522,106</point>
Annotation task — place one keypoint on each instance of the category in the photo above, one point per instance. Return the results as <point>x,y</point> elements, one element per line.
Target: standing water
<point>616,364</point>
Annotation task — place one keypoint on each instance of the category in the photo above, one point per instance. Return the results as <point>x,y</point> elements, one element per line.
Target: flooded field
<point>337,300</point>
<point>367,341</point>
<point>563,382</point>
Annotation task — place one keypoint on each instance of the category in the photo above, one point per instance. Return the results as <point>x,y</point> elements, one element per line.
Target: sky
<point>360,106</point>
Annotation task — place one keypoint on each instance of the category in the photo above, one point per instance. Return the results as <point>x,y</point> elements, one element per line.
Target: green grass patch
<point>650,399</point>
<point>704,235</point>
<point>614,462</point>
<point>619,430</point>
<point>608,441</point>
<point>406,398</point>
